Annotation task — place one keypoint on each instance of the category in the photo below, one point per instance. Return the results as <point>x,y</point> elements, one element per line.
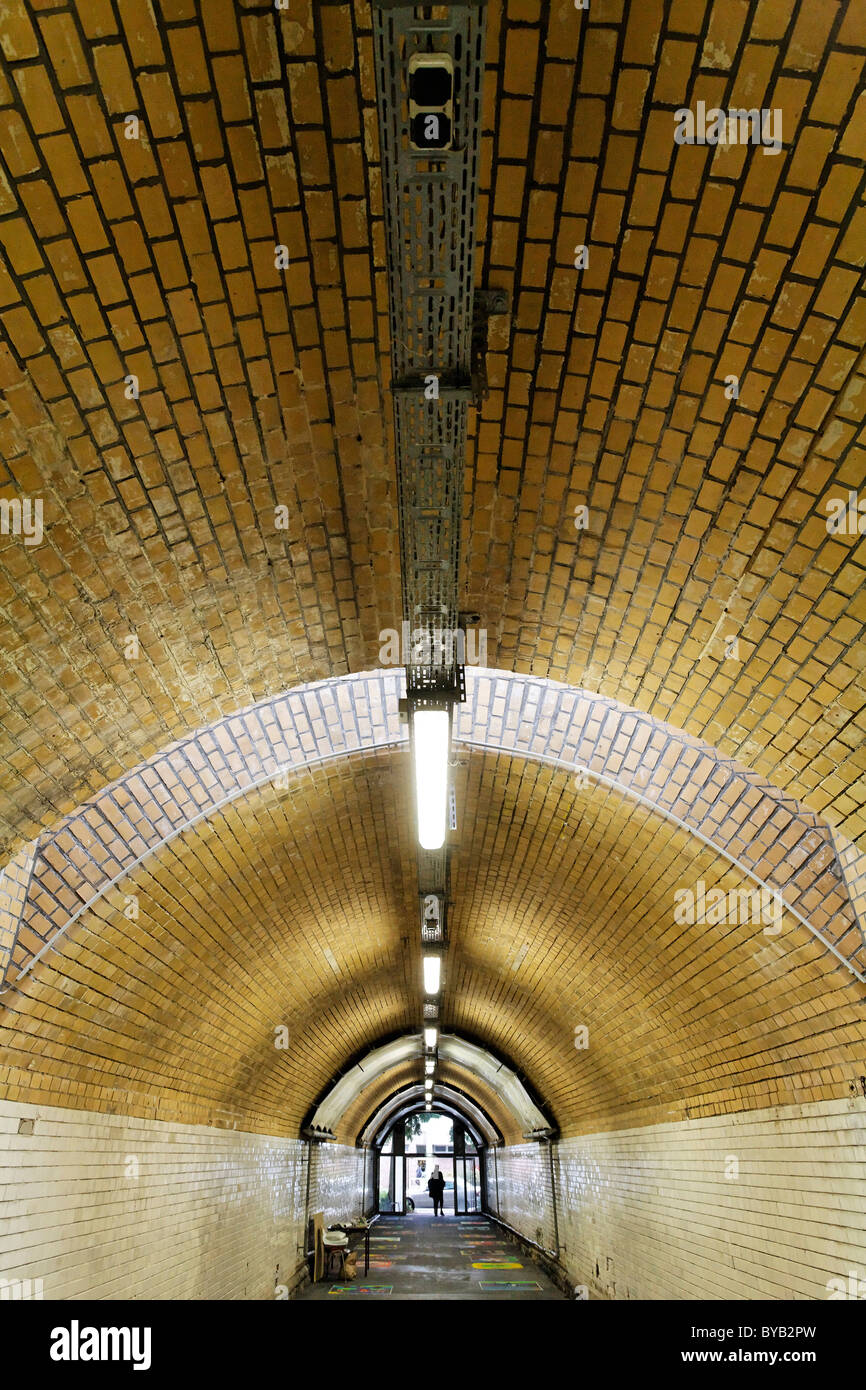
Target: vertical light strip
<point>430,744</point>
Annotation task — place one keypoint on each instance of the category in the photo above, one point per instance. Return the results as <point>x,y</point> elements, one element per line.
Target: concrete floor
<point>424,1256</point>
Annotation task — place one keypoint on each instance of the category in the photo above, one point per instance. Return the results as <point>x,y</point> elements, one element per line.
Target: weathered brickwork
<point>154,257</point>
<point>194,389</point>
<point>266,917</point>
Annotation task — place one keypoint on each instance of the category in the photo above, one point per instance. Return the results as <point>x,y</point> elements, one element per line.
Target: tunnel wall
<point>653,1211</point>
<point>519,1190</point>
<point>103,1206</point>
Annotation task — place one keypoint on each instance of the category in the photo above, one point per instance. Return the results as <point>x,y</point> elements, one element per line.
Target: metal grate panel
<point>430,238</point>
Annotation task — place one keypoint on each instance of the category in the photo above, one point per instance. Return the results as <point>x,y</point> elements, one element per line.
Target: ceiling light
<point>430,1067</point>
<point>428,1107</point>
<point>432,974</point>
<point>430,1035</point>
<point>430,739</point>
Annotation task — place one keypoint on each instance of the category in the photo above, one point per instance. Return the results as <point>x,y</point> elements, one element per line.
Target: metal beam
<point>430,204</point>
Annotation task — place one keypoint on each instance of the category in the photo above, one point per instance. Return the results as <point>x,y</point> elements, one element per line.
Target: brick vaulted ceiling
<point>298,911</point>
<point>262,388</point>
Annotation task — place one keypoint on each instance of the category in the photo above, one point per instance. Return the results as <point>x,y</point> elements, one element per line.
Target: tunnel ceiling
<point>259,388</point>
<point>146,254</point>
<point>298,912</point>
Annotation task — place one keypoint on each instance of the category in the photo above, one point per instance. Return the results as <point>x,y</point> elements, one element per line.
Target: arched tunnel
<point>328,330</point>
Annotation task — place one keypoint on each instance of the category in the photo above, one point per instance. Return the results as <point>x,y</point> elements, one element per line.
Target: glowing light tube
<point>430,736</point>
<point>432,974</point>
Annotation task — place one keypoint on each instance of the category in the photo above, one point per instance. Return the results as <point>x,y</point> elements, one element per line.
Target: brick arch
<point>268,914</point>
<point>749,823</point>
<point>411,1100</point>
<point>457,1078</point>
<point>377,1067</point>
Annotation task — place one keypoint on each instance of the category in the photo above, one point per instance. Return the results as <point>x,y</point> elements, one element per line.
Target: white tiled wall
<point>520,1178</point>
<point>653,1212</point>
<point>101,1206</point>
<point>337,1181</point>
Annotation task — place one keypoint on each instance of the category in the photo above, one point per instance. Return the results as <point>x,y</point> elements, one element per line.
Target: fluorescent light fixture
<point>432,974</point>
<point>428,1107</point>
<point>430,1067</point>
<point>430,1037</point>
<point>430,738</point>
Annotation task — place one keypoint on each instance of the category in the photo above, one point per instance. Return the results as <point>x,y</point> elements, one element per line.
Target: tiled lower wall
<point>519,1188</point>
<point>336,1181</point>
<point>766,1204</point>
<point>761,1205</point>
<point>100,1206</point>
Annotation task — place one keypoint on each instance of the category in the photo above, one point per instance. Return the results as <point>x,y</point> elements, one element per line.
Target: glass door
<point>473,1184</point>
<point>400,1185</point>
<point>460,1185</point>
<point>409,1155</point>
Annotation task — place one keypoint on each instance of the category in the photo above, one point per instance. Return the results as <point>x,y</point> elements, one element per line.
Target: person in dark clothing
<point>436,1188</point>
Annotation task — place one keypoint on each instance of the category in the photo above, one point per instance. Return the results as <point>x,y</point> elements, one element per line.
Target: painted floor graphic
<point>497,1264</point>
<point>372,1289</point>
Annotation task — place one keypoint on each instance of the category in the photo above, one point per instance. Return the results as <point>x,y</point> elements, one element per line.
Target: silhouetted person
<point>436,1188</point>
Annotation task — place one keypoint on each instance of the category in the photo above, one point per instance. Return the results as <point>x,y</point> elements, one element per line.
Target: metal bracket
<point>485,305</point>
<point>491,302</point>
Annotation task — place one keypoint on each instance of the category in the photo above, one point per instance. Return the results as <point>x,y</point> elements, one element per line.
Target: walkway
<point>424,1256</point>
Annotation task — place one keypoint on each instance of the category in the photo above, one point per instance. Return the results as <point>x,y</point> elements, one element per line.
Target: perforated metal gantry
<point>429,70</point>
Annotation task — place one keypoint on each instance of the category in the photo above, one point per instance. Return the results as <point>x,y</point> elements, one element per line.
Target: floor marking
<point>383,1289</point>
<point>497,1264</point>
